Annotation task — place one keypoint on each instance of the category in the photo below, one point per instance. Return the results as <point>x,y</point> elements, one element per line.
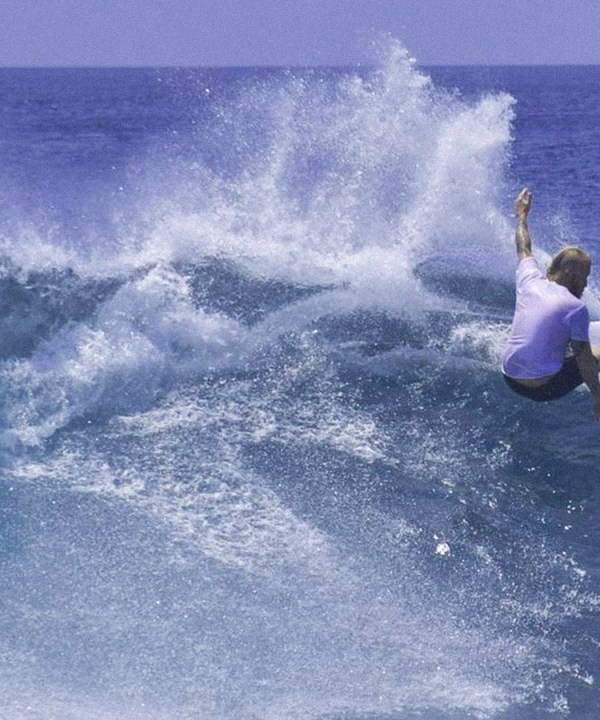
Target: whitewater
<point>257,461</point>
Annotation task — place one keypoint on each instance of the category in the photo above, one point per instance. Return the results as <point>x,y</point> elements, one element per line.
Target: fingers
<point>523,201</point>
<point>525,195</point>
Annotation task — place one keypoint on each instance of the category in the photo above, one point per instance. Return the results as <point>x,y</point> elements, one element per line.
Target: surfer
<point>548,353</point>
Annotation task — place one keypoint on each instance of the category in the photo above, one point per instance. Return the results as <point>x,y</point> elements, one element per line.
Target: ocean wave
<point>257,431</point>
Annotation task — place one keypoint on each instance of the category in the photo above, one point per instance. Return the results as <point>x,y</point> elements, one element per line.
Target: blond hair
<point>567,260</point>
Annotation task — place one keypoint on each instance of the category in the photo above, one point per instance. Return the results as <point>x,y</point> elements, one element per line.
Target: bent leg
<point>566,380</point>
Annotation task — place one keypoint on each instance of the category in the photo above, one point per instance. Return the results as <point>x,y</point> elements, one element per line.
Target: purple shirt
<point>547,318</point>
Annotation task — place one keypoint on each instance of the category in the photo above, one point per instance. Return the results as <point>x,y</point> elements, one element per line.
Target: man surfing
<point>550,319</point>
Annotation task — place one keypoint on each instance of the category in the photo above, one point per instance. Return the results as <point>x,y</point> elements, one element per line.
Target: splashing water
<point>236,438</point>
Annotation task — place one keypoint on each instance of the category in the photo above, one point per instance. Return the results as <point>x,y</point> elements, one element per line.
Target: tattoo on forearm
<point>522,238</point>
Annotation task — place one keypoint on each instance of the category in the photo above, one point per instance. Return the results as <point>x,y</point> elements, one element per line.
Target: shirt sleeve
<point>528,269</point>
<point>579,321</point>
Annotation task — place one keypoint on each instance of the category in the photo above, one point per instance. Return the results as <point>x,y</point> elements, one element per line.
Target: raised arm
<point>522,237</point>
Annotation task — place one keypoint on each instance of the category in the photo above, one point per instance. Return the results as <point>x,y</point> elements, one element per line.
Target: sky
<point>43,33</point>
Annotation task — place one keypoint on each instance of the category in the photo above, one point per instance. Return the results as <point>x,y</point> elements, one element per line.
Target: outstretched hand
<point>523,203</point>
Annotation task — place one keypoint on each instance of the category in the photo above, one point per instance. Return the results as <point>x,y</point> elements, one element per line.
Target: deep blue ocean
<point>257,461</point>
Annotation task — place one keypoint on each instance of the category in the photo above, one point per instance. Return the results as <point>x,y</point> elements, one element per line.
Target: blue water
<point>257,462</point>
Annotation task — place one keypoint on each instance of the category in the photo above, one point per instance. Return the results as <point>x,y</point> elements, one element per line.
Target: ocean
<point>257,461</point>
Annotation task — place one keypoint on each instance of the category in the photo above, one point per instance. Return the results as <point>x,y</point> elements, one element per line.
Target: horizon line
<point>292,66</point>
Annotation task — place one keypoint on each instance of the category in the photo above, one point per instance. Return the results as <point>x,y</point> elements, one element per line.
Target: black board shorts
<point>565,380</point>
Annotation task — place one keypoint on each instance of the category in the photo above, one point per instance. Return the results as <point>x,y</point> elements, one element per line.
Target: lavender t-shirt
<point>547,318</point>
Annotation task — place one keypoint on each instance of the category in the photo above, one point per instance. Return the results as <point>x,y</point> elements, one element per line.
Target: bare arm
<point>522,237</point>
<point>588,367</point>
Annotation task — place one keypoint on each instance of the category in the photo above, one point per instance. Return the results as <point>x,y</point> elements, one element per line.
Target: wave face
<point>257,460</point>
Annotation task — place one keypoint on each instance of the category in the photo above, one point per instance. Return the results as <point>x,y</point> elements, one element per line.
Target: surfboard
<point>595,334</point>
